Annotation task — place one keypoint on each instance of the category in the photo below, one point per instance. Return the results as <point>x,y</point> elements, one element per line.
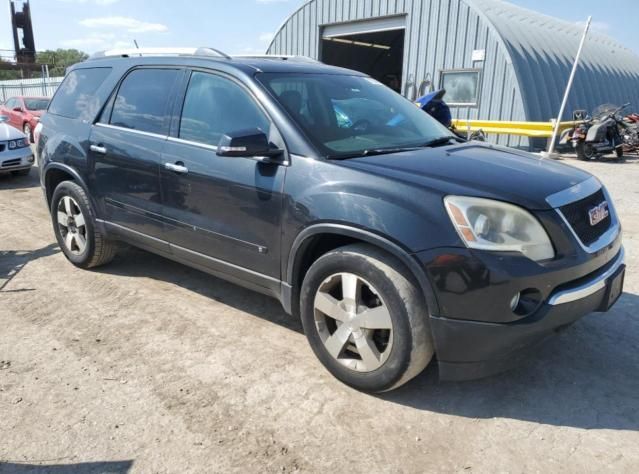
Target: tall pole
<point>555,133</point>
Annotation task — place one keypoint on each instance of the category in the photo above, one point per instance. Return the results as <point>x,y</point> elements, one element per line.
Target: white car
<point>16,156</point>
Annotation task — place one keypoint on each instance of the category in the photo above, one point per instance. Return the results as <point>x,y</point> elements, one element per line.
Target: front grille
<point>8,163</point>
<point>577,215</point>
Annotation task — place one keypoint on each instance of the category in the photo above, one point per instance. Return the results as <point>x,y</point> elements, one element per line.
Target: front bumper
<point>16,160</point>
<point>472,349</point>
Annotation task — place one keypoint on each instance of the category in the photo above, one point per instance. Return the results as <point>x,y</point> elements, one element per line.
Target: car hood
<point>7,132</point>
<point>37,113</point>
<point>476,169</point>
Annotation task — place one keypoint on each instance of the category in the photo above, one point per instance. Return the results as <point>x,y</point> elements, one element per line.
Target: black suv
<point>391,238</point>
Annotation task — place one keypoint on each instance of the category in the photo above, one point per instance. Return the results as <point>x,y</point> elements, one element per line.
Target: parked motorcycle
<point>631,134</point>
<point>434,105</point>
<point>598,135</point>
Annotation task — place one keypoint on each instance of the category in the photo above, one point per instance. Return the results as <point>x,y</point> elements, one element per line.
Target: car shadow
<point>131,261</point>
<point>13,261</point>
<point>110,467</point>
<point>9,181</point>
<point>584,377</point>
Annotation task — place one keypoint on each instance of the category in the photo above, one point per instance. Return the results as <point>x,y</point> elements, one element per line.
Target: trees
<point>7,71</point>
<point>60,59</point>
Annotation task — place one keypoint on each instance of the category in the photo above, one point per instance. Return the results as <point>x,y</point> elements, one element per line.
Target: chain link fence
<point>29,87</point>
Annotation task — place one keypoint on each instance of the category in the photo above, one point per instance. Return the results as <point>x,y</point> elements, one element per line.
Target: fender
<point>365,236</point>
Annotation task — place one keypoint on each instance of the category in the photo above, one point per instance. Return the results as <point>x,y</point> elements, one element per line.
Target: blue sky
<point>237,26</point>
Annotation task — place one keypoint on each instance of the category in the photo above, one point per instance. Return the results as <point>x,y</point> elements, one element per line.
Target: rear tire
<point>82,242</point>
<point>365,318</point>
<point>585,151</point>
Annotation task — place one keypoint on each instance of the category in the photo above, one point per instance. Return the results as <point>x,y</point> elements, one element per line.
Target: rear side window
<point>76,96</point>
<point>143,100</point>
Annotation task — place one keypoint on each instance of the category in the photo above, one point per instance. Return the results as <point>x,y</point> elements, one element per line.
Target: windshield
<point>347,116</point>
<point>605,110</point>
<point>36,104</point>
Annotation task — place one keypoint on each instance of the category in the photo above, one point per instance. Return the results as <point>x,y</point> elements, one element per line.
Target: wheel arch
<point>55,173</point>
<point>338,235</point>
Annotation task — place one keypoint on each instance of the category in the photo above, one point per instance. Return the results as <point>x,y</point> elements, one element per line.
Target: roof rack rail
<point>282,57</point>
<point>132,52</point>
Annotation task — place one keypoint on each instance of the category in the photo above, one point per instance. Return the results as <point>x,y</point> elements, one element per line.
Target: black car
<point>391,238</point>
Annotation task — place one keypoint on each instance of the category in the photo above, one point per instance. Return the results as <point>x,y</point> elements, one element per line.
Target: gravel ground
<point>149,366</point>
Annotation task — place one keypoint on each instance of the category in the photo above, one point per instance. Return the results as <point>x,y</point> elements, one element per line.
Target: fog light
<point>526,302</point>
<point>515,302</point>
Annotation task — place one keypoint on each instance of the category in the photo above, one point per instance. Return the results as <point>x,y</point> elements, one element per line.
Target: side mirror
<point>17,109</point>
<point>252,143</point>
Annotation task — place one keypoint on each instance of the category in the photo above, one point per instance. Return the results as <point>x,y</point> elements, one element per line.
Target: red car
<point>24,112</point>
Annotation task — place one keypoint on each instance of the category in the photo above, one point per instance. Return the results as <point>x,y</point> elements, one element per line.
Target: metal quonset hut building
<point>496,60</point>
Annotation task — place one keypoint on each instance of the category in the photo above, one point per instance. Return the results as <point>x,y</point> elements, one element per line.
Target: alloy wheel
<point>72,225</point>
<point>353,322</point>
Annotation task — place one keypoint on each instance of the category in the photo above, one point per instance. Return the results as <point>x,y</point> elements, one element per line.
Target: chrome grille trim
<point>581,191</point>
<point>590,287</point>
<point>574,193</point>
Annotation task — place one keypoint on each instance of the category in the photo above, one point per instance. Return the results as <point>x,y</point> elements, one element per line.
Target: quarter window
<point>76,98</point>
<point>214,106</point>
<point>143,100</point>
<point>462,87</point>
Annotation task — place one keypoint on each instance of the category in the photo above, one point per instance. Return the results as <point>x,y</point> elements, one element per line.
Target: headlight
<point>493,225</point>
<point>20,143</point>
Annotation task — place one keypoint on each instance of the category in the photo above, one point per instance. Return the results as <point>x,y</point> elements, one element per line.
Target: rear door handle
<point>176,168</point>
<point>98,149</point>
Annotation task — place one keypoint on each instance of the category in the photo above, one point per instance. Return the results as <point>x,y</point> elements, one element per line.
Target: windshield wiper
<point>372,152</point>
<point>442,141</point>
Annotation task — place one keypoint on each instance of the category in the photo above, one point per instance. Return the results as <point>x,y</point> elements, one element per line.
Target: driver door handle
<point>176,168</point>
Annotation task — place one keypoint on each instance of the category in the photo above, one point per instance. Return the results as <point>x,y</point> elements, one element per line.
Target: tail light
<point>36,133</point>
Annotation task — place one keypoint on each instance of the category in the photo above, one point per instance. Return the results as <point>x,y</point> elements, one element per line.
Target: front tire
<point>75,230</point>
<point>365,318</point>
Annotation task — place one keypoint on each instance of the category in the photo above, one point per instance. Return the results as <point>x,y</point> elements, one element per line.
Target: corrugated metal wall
<point>543,48</point>
<point>440,34</point>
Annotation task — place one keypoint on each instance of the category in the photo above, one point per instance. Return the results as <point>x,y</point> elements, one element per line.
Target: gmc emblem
<point>598,213</point>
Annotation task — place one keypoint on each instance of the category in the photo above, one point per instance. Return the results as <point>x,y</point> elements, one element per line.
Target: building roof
<point>542,50</point>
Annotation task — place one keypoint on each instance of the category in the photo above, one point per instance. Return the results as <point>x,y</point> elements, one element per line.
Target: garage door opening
<point>379,54</point>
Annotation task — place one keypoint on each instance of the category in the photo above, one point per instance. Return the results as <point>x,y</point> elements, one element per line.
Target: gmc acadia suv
<point>391,238</point>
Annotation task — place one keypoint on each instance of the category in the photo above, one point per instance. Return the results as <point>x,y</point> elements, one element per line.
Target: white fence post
<point>40,86</point>
<point>555,134</point>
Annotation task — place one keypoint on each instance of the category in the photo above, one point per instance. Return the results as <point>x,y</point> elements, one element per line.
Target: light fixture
<point>359,43</point>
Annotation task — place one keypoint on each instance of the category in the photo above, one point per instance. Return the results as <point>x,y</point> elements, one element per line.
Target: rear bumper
<point>471,349</point>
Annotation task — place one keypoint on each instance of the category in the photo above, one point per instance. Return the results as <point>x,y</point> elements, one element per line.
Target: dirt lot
<point>149,366</point>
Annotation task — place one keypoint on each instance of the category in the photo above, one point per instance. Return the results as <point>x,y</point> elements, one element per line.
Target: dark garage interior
<point>379,54</point>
